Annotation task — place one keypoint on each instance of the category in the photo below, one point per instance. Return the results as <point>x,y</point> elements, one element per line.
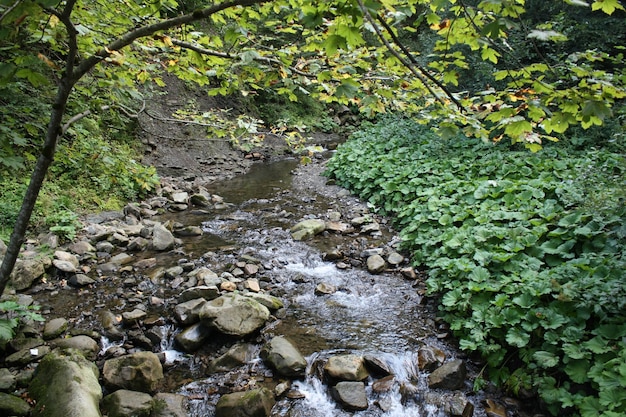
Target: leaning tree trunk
<point>36,181</point>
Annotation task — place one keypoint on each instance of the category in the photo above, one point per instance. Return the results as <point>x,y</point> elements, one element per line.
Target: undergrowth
<point>526,252</point>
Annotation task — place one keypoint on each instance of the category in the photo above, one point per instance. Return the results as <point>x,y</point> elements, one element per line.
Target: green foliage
<point>527,252</point>
<point>64,223</point>
<point>12,314</point>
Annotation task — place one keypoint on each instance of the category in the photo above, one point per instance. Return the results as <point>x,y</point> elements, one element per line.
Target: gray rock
<point>66,384</point>
<point>162,239</point>
<point>170,405</point>
<point>26,356</point>
<point>80,280</point>
<point>307,229</point>
<point>140,371</point>
<point>132,317</point>
<point>65,266</point>
<point>54,328</point>
<point>236,356</point>
<point>188,231</point>
<point>253,403</point>
<point>450,375</point>
<point>200,200</point>
<point>234,315</point>
<point>174,271</point>
<point>430,358</point>
<point>324,288</point>
<point>66,256</point>
<point>346,368</point>
<point>193,337</point>
<point>459,406</point>
<point>207,292</point>
<point>8,381</point>
<point>370,228</point>
<point>376,264</point>
<point>180,197</point>
<point>351,395</point>
<point>269,301</point>
<point>26,272</point>
<point>84,344</point>
<point>105,246</point>
<point>121,259</point>
<point>189,311</point>
<point>394,258</point>
<point>138,244</point>
<point>281,355</point>
<point>10,405</point>
<point>124,403</point>
<point>207,276</point>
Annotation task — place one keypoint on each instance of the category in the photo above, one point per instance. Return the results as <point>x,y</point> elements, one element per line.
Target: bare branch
<point>9,10</point>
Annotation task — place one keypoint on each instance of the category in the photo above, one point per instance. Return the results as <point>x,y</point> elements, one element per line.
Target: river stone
<point>162,239</point>
<point>346,368</point>
<point>84,344</point>
<point>394,258</point>
<point>376,264</point>
<point>66,384</point>
<point>189,311</point>
<point>351,395</point>
<point>450,375</point>
<point>193,337</point>
<point>8,381</point>
<point>236,356</point>
<point>284,357</point>
<point>132,317</point>
<point>119,239</point>
<point>377,365</point>
<point>189,231</point>
<point>252,403</point>
<point>252,285</point>
<point>459,406</point>
<point>207,276</point>
<point>122,259</point>
<point>370,228</point>
<point>307,229</point>
<point>64,266</point>
<point>269,301</point>
<point>384,384</point>
<point>10,405</point>
<point>80,280</point>
<point>140,371</point>
<point>26,356</point>
<point>324,288</point>
<point>26,272</point>
<point>250,269</point>
<point>124,403</point>
<point>207,292</point>
<point>234,315</point>
<point>200,200</point>
<point>170,405</point>
<point>180,197</point>
<point>430,358</point>
<point>54,328</point>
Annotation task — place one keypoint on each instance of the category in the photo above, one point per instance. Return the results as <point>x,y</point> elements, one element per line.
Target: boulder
<point>189,311</point>
<point>269,301</point>
<point>376,264</point>
<point>8,381</point>
<point>281,355</point>
<point>307,229</point>
<point>450,375</point>
<point>207,292</point>
<point>253,403</point>
<point>346,368</point>
<point>140,371</point>
<point>10,405</point>
<point>26,272</point>
<point>54,328</point>
<point>66,384</point>
<point>84,344</point>
<point>80,280</point>
<point>170,405</point>
<point>234,314</point>
<point>162,239</point>
<point>124,403</point>
<point>236,356</point>
<point>351,395</point>
<point>430,358</point>
<point>193,337</point>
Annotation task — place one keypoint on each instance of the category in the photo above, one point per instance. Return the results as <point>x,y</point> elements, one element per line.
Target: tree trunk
<point>36,180</point>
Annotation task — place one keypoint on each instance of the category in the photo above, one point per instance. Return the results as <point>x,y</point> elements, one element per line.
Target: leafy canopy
<point>352,52</point>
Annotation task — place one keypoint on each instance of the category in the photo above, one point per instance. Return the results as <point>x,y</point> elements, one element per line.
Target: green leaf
<point>517,337</point>
<point>546,359</point>
<point>607,6</point>
<point>578,370</point>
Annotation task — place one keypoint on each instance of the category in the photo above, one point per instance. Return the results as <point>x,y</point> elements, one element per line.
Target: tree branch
<point>9,10</point>
<point>226,55</point>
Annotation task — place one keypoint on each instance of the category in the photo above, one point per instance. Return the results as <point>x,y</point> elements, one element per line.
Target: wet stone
<point>376,264</point>
<point>325,289</point>
<point>203,291</point>
<point>193,337</point>
<point>351,395</point>
<point>54,328</point>
<point>80,280</point>
<point>450,375</point>
<point>346,368</point>
<point>430,358</point>
<point>132,317</point>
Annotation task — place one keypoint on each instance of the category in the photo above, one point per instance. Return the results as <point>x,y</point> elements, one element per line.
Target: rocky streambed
<point>270,294</point>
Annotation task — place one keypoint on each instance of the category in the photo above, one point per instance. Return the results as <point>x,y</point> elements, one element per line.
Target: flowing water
<point>378,315</point>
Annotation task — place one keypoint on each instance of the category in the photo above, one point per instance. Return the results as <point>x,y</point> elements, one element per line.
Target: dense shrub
<point>526,251</point>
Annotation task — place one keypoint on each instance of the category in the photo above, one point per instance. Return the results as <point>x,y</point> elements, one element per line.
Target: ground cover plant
<point>526,252</point>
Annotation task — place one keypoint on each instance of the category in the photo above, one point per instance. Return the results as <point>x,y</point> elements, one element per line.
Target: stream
<point>383,316</point>
<point>380,315</point>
